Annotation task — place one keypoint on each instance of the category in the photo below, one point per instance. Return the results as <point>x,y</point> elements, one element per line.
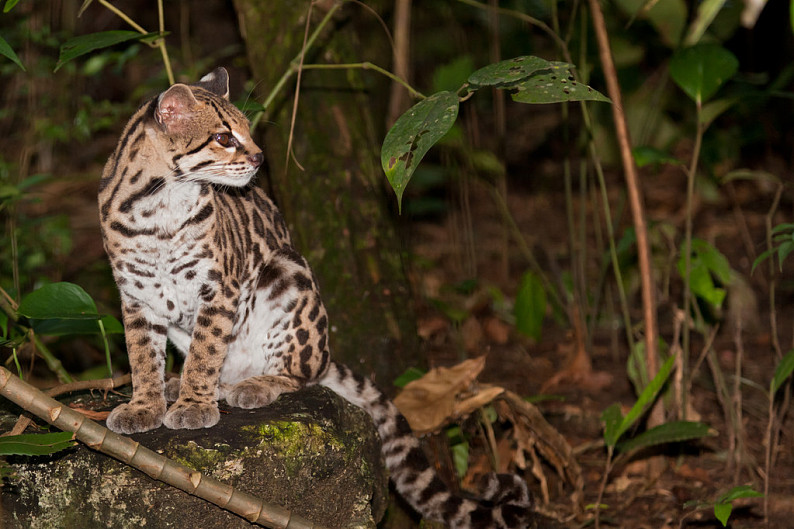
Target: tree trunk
<point>337,208</point>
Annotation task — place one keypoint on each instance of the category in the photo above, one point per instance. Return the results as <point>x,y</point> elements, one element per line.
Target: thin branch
<point>154,465</point>
<point>632,184</point>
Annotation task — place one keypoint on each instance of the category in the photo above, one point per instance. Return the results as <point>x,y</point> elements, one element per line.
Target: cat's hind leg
<point>259,391</point>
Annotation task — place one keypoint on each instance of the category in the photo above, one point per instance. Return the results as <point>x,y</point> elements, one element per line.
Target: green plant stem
<point>107,347</point>
<point>52,362</point>
<point>294,64</point>
<point>690,193</point>
<point>524,18</point>
<point>366,65</point>
<point>603,486</point>
<point>161,45</point>
<point>160,42</point>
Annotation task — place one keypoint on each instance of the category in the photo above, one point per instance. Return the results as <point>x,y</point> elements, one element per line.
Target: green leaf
<point>36,444</point>
<point>741,491</point>
<point>59,301</point>
<point>412,136</point>
<point>700,70</point>
<point>706,262</point>
<point>612,418</point>
<point>671,432</point>
<point>10,4</point>
<point>782,372</point>
<point>460,458</point>
<point>409,375</point>
<point>70,326</point>
<point>7,51</point>
<point>707,10</point>
<point>761,258</point>
<point>782,252</point>
<point>530,307</point>
<point>506,73</point>
<point>646,155</point>
<point>554,86</point>
<point>723,511</point>
<point>782,228</point>
<point>646,398</point>
<point>77,46</point>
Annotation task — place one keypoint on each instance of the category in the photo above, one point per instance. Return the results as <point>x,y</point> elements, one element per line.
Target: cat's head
<point>206,137</point>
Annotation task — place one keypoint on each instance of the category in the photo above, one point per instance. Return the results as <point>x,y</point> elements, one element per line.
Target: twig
<point>154,465</point>
<point>400,57</point>
<point>633,188</point>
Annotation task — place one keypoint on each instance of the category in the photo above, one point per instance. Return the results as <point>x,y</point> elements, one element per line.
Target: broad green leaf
<point>647,397</point>
<point>77,46</point>
<point>782,228</point>
<point>58,301</point>
<point>647,155</point>
<point>69,326</point>
<point>36,444</point>
<point>409,375</point>
<point>530,306</point>
<point>7,51</point>
<point>412,136</point>
<point>612,418</point>
<point>700,70</point>
<point>782,372</point>
<point>714,260</point>
<point>671,432</point>
<point>507,73</point>
<point>707,10</point>
<point>741,491</point>
<point>10,4</point>
<point>723,511</point>
<point>554,86</point>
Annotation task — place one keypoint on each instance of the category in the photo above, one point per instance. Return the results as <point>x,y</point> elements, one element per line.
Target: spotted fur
<point>203,258</point>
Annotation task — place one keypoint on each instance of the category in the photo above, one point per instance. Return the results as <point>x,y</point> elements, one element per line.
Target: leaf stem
<point>52,362</point>
<point>122,15</point>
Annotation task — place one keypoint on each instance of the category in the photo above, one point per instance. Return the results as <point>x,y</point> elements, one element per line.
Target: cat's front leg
<point>197,405</point>
<point>146,339</point>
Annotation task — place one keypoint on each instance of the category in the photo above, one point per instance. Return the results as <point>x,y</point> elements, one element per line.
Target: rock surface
<point>310,452</point>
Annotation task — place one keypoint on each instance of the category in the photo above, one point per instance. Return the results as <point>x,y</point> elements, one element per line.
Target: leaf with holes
<point>412,136</point>
<point>506,73</point>
<point>701,70</point>
<point>555,86</point>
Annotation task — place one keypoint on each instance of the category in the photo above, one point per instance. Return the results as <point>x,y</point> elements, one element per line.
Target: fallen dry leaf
<point>431,401</point>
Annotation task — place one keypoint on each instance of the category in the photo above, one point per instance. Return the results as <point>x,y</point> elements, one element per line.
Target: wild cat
<point>202,257</point>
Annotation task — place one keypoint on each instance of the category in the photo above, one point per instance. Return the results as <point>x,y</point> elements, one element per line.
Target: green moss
<point>293,438</point>
<point>200,458</point>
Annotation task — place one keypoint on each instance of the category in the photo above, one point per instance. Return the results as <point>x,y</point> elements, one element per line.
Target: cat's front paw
<point>133,418</point>
<point>192,415</point>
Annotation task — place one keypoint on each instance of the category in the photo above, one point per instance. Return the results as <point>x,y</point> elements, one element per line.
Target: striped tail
<point>505,502</point>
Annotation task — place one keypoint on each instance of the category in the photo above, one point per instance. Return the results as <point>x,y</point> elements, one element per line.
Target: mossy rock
<point>310,452</point>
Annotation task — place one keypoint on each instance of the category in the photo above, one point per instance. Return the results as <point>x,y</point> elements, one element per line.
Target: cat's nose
<point>256,159</point>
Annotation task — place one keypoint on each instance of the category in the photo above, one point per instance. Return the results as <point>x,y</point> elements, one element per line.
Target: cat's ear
<point>174,108</point>
<point>217,82</point>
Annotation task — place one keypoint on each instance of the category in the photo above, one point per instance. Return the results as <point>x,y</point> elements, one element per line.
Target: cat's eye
<point>225,139</point>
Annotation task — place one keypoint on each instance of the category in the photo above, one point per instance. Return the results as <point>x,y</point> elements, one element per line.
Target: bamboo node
<point>55,413</point>
<point>195,479</point>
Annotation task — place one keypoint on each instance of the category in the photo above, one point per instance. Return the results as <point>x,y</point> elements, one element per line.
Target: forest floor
<point>645,492</point>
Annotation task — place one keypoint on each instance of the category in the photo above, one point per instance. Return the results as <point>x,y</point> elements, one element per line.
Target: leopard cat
<point>202,258</point>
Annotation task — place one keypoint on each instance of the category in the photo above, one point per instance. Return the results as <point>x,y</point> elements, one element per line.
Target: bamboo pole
<point>154,465</point>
